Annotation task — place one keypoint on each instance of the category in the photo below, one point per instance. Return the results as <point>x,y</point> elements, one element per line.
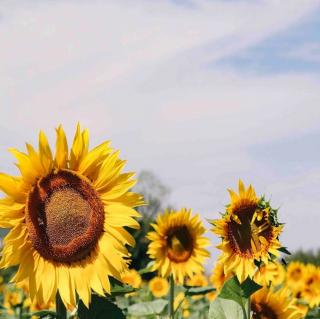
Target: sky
<point>200,92</point>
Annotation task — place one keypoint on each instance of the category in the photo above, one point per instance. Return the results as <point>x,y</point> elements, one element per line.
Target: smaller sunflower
<point>311,289</point>
<point>249,230</point>
<point>271,274</point>
<point>177,244</point>
<point>295,276</point>
<point>218,277</point>
<point>269,304</point>
<point>159,287</point>
<point>198,280</point>
<point>132,278</point>
<point>182,303</point>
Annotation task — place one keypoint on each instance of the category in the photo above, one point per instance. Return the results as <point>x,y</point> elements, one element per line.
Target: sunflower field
<point>79,245</point>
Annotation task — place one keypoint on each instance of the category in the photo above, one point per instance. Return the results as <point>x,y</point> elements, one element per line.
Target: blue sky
<point>202,93</point>
<point>296,49</point>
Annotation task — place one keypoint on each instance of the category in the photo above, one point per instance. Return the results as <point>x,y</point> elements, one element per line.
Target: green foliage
<point>196,291</point>
<point>233,300</point>
<point>148,308</point>
<point>119,289</point>
<point>100,308</point>
<point>222,308</point>
<point>314,314</point>
<point>305,257</point>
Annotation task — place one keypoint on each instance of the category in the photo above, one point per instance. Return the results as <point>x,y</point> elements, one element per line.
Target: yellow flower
<point>269,304</point>
<point>272,273</point>
<point>178,245</point>
<point>12,298</point>
<point>132,278</point>
<point>197,280</point>
<point>159,287</point>
<point>67,212</point>
<point>311,288</point>
<point>180,302</point>
<point>218,276</point>
<point>249,233</point>
<point>295,276</point>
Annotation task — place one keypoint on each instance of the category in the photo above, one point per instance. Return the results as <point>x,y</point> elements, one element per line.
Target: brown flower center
<point>249,230</point>
<point>180,244</point>
<point>64,216</point>
<point>262,311</point>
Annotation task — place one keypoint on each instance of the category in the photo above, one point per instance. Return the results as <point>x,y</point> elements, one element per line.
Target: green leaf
<point>100,308</point>
<point>225,309</point>
<point>240,293</point>
<point>118,288</point>
<point>193,291</point>
<point>148,308</point>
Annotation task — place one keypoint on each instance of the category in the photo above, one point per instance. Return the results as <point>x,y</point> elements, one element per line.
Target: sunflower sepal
<point>284,250</point>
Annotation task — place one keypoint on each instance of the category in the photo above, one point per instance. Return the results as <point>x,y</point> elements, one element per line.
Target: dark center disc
<point>242,235</point>
<point>64,216</point>
<point>180,244</point>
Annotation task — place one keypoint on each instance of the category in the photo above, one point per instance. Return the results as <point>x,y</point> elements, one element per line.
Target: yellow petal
<point>61,157</point>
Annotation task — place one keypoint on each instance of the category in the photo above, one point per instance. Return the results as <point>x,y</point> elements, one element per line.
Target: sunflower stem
<point>60,307</point>
<point>249,308</point>
<point>171,297</point>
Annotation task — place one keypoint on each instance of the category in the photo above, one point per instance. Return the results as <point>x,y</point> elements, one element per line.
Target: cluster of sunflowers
<point>69,215</point>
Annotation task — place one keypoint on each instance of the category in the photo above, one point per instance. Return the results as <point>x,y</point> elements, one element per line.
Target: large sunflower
<point>178,245</point>
<point>249,230</point>
<point>67,212</point>
<point>269,304</point>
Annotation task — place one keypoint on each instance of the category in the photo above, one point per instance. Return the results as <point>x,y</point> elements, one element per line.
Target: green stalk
<point>60,307</point>
<point>171,298</point>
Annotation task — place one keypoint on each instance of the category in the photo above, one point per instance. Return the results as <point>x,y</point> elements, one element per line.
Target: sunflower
<point>218,277</point>
<point>178,245</point>
<point>197,280</point>
<point>311,289</point>
<point>271,274</point>
<point>182,303</point>
<point>295,276</point>
<point>131,277</point>
<point>249,230</point>
<point>67,212</point>
<point>269,304</point>
<point>159,286</point>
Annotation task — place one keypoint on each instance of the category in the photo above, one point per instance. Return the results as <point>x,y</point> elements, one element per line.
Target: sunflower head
<point>218,277</point>
<point>177,244</point>
<point>271,274</point>
<point>159,287</point>
<point>67,211</point>
<point>249,230</point>
<point>269,304</point>
<point>311,288</point>
<point>197,280</point>
<point>132,277</point>
<point>295,275</point>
